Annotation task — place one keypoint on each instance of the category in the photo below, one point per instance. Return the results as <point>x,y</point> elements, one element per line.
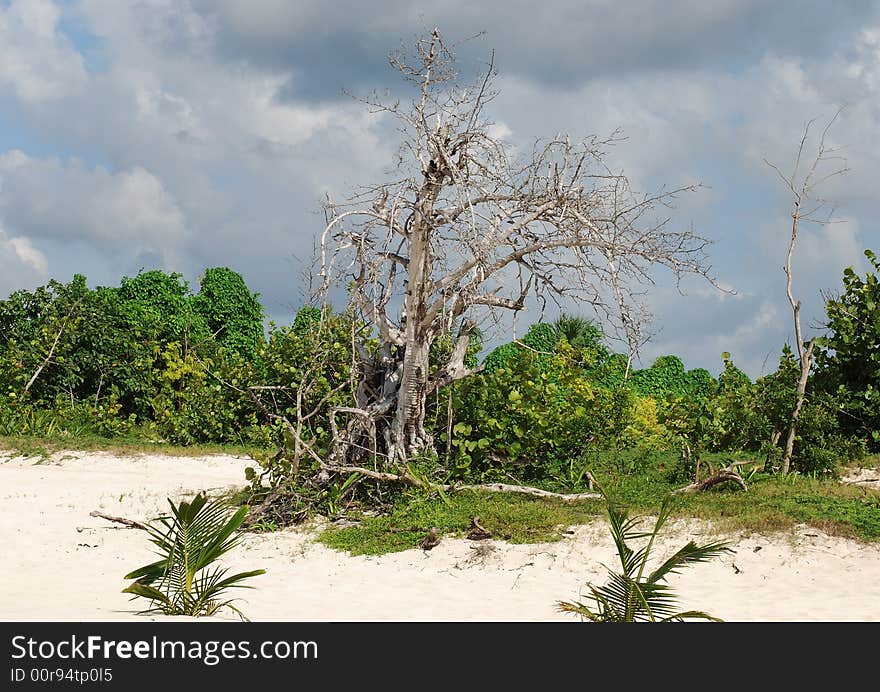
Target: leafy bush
<point>611,373</point>
<point>698,383</point>
<point>742,415</point>
<point>232,313</point>
<point>33,326</point>
<point>644,430</point>
<point>112,361</point>
<point>731,377</point>
<point>24,418</point>
<point>665,376</point>
<point>306,368</point>
<point>540,339</point>
<point>164,301</point>
<point>525,419</point>
<point>849,358</point>
<point>585,339</point>
<point>198,399</point>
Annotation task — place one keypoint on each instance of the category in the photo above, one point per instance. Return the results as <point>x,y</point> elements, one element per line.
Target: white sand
<point>61,564</point>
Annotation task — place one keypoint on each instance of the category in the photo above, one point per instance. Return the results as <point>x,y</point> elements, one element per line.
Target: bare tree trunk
<point>804,355</point>
<point>408,434</point>
<point>806,363</point>
<point>803,191</point>
<point>465,232</point>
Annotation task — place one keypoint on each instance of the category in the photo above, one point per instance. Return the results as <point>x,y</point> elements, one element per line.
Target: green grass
<point>514,518</point>
<point>775,503</point>
<point>772,503</point>
<point>640,481</point>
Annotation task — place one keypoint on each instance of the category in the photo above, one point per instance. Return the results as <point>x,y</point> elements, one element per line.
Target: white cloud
<point>832,246</point>
<point>36,60</point>
<point>76,203</point>
<point>21,264</point>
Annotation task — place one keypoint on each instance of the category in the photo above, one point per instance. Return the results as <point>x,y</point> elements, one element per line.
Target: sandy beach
<point>62,564</point>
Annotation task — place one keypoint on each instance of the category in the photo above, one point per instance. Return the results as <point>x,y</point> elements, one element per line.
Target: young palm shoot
<point>183,581</point>
<point>632,596</point>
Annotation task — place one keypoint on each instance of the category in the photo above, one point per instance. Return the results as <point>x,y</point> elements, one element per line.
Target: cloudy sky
<point>185,134</point>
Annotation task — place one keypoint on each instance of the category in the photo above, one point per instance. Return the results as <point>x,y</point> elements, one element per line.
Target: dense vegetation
<point>153,361</point>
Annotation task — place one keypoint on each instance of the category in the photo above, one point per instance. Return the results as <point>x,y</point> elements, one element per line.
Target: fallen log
<point>130,523</point>
<point>722,476</point>
<point>526,490</point>
<point>408,479</point>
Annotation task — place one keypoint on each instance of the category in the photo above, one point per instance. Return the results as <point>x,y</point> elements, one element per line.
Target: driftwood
<point>478,532</point>
<point>432,539</point>
<point>408,479</point>
<point>722,476</point>
<point>130,523</point>
<point>526,490</point>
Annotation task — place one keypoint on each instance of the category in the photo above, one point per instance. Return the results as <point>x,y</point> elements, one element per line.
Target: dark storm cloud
<point>330,46</point>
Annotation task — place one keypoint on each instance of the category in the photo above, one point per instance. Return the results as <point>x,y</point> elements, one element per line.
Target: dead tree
<point>806,207</point>
<point>470,228</point>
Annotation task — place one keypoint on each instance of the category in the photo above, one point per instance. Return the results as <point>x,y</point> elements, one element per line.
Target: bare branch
<point>803,193</point>
<point>467,230</point>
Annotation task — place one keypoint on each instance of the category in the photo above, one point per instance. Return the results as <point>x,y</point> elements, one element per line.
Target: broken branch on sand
<point>130,523</point>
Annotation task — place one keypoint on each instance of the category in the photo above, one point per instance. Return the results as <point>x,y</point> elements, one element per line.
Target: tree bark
<point>408,434</point>
<point>806,363</point>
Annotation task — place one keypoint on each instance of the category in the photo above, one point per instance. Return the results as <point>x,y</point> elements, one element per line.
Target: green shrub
<point>665,376</point>
<point>743,415</point>
<point>540,339</point>
<point>585,339</point>
<point>232,313</point>
<point>529,418</point>
<point>198,399</point>
<point>848,360</point>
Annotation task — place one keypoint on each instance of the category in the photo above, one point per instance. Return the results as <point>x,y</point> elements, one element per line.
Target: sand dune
<point>62,564</point>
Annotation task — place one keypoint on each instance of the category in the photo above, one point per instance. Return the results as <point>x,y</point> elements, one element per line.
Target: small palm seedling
<point>630,595</point>
<point>183,581</point>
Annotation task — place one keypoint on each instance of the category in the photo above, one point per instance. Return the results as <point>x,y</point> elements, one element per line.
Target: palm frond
<point>688,555</point>
<point>189,540</point>
<point>629,597</point>
<point>691,615</point>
